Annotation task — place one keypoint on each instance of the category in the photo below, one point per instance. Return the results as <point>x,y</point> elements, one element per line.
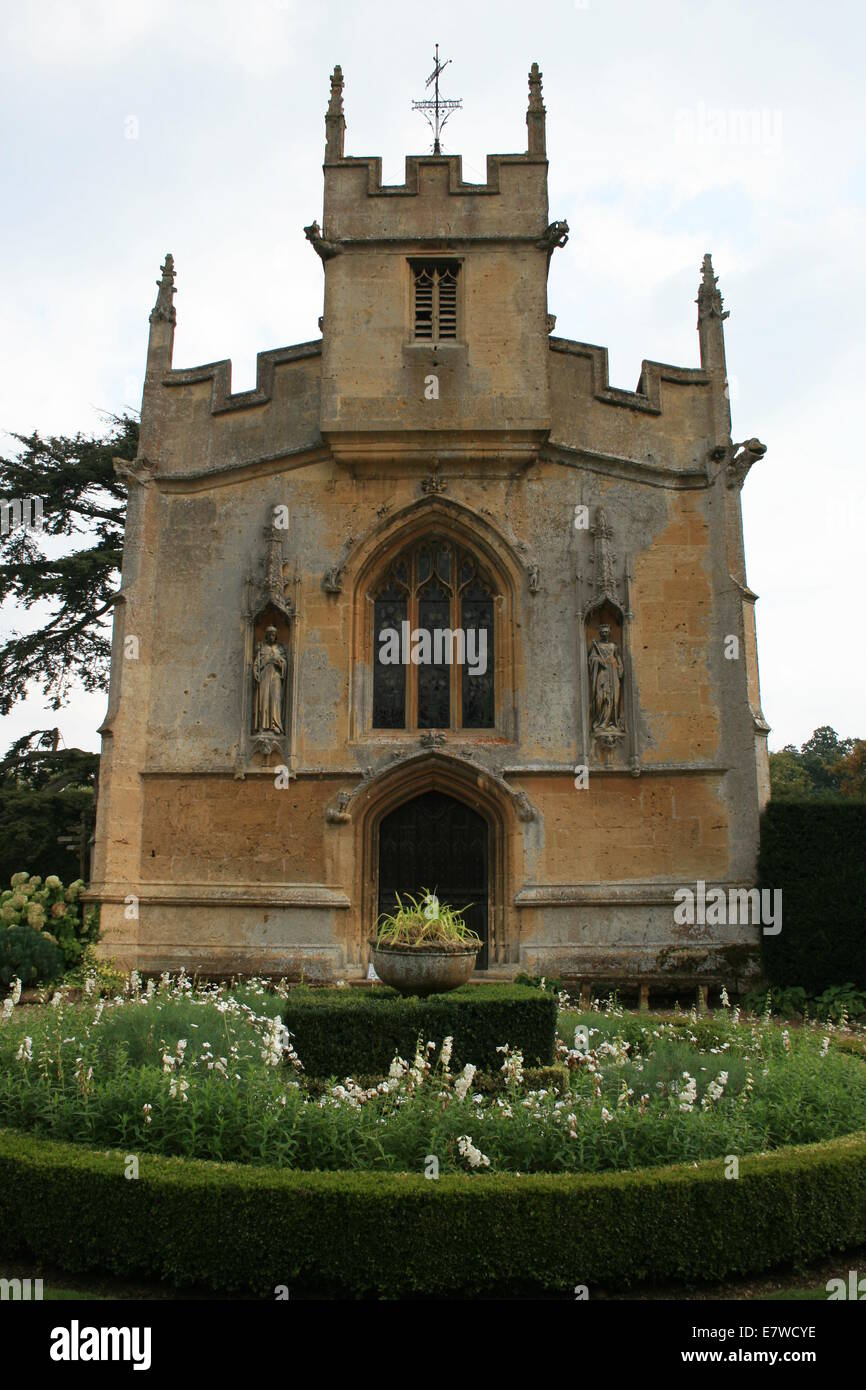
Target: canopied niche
<point>608,707</point>
<point>269,661</point>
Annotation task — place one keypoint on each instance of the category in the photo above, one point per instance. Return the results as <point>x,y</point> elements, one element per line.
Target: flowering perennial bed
<point>526,1198</point>
<point>213,1074</point>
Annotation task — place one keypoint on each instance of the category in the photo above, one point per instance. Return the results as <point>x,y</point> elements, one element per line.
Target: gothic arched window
<point>433,633</point>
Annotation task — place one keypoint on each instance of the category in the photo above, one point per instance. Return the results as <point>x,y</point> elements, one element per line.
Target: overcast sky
<point>196,126</point>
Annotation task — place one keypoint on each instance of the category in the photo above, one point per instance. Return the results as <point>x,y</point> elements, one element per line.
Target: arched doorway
<point>437,842</point>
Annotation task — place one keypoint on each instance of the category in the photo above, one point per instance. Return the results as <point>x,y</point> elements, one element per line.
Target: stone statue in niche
<point>270,666</point>
<point>605,687</point>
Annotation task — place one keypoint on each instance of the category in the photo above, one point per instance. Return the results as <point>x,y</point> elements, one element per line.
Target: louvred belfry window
<point>433,634</point>
<point>435,300</point>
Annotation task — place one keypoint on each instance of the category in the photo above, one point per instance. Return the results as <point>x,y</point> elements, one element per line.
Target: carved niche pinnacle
<point>604,578</point>
<point>273,587</point>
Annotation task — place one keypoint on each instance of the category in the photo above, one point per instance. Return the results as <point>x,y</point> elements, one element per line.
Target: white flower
<point>431,907</point>
<point>464,1081</point>
<point>147,1109</point>
<point>825,1046</point>
<point>689,1093</point>
<point>715,1090</point>
<point>474,1157</point>
<point>12,999</point>
<point>25,1051</point>
<point>445,1054</point>
<point>512,1065</point>
<point>178,1086</point>
<point>726,1003</point>
<point>606,1115</point>
<point>82,1076</point>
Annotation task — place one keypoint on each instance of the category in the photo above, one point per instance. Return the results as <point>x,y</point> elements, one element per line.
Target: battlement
<point>435,202</point>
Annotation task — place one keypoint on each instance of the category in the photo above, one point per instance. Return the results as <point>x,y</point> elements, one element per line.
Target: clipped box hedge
<point>815,852</point>
<point>347,1032</point>
<point>250,1230</point>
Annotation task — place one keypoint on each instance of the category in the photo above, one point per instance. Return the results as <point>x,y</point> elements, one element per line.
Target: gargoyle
<point>555,236</point>
<point>742,457</point>
<point>324,249</point>
<point>139,470</point>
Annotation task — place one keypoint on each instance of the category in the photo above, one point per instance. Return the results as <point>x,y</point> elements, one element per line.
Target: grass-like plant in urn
<point>424,946</point>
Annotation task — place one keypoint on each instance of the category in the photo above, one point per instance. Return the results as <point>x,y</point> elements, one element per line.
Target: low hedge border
<point>249,1230</point>
<point>347,1032</point>
<point>485,1083</point>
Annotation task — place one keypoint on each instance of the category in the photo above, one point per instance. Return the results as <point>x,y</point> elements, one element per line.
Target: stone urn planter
<point>427,969</point>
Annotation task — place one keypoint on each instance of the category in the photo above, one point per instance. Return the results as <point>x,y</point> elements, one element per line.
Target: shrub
<point>97,975</point>
<point>814,852</point>
<point>241,1229</point>
<point>30,955</point>
<point>46,906</point>
<point>835,1004</point>
<point>344,1032</point>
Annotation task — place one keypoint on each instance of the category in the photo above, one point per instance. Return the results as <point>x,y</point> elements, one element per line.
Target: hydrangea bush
<point>54,913</point>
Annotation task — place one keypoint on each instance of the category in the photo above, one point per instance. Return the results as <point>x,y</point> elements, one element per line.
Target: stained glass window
<point>433,630</point>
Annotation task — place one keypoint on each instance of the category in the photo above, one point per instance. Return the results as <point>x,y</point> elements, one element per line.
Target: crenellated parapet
<point>647,394</point>
<point>219,374</point>
<point>435,201</point>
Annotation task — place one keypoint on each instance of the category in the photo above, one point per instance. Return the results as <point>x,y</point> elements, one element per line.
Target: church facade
<point>433,606</point>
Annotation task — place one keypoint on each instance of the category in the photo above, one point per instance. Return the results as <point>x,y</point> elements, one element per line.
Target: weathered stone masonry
<point>585,507</point>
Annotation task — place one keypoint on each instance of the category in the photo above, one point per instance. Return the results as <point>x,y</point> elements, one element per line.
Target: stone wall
<point>203,857</point>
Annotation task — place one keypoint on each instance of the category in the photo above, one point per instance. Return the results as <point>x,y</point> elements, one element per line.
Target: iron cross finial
<point>437,111</point>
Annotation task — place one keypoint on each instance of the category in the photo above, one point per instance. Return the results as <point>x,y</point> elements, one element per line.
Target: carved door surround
<point>358,823</point>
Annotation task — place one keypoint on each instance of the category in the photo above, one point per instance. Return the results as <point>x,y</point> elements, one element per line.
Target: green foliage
<point>96,975</point>
<point>836,1004</point>
<point>338,1032</point>
<point>37,761</point>
<point>29,955</point>
<point>250,1230</point>
<point>200,1073</point>
<point>825,768</point>
<point>82,496</point>
<point>31,823</point>
<point>48,910</point>
<point>552,983</point>
<point>424,923</point>
<point>814,853</point>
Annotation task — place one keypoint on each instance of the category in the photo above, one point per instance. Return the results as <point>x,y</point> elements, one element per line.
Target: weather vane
<point>437,111</point>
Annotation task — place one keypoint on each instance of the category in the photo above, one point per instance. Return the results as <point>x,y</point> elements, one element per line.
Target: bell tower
<point>435,330</point>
